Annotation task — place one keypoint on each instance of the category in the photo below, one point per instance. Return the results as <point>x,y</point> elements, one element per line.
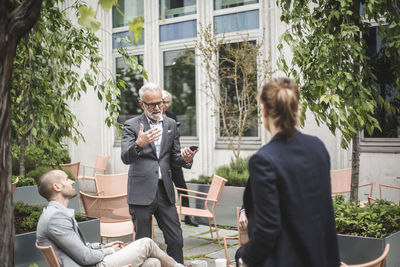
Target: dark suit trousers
<point>167,219</point>
<point>179,181</point>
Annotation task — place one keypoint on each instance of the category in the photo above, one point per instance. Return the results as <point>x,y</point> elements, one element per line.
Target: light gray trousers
<point>143,252</point>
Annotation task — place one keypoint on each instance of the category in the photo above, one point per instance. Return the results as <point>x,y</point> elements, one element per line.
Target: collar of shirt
<point>152,123</point>
<point>70,212</point>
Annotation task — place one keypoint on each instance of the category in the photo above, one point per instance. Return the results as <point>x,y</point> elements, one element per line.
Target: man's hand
<point>116,245</point>
<point>188,154</point>
<point>145,138</point>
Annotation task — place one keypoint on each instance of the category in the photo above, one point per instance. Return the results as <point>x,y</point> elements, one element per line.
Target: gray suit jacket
<point>56,227</point>
<point>143,170</point>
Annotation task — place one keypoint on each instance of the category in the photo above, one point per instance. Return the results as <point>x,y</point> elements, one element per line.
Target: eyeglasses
<point>153,105</point>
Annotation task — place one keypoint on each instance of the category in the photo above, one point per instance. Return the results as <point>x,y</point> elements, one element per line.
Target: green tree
<point>234,73</point>
<point>47,75</point>
<point>17,17</point>
<point>330,59</point>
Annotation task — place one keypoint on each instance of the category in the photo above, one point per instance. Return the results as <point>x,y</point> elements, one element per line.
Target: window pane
<point>176,8</point>
<point>221,4</point>
<point>237,22</point>
<point>238,69</point>
<point>130,8</point>
<point>176,31</point>
<point>388,120</point>
<point>180,81</point>
<point>130,95</point>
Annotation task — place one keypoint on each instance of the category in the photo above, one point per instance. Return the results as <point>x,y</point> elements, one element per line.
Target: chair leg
<point>216,230</point>
<point>209,223</point>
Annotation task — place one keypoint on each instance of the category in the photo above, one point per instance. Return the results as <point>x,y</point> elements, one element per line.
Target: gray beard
<point>155,117</point>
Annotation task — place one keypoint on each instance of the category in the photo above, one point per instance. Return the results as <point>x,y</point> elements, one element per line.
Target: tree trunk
<point>22,156</point>
<point>355,168</point>
<point>14,23</point>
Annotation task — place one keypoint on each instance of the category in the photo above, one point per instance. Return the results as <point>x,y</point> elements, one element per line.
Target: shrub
<point>203,179</point>
<point>36,156</point>
<point>379,219</point>
<point>27,217</point>
<point>24,181</point>
<point>35,174</point>
<point>236,173</point>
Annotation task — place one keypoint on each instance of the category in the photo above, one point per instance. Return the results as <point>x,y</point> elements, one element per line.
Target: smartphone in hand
<point>193,148</point>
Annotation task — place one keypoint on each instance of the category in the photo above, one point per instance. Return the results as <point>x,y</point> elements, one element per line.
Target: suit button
<point>156,171</point>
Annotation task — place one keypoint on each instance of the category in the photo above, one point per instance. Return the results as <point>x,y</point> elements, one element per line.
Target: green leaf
<point>107,4</point>
<point>136,27</point>
<point>88,18</point>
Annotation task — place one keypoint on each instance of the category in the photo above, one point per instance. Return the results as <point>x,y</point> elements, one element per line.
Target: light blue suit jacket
<point>57,227</point>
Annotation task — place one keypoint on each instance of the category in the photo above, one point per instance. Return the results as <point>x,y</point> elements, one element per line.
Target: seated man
<point>57,227</point>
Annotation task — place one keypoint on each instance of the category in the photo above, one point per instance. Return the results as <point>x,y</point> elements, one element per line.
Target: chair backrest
<point>14,185</point>
<point>340,180</point>
<point>243,236</point>
<point>394,197</point>
<point>111,184</point>
<point>101,164</point>
<point>73,167</point>
<point>216,187</point>
<point>49,255</point>
<point>108,209</point>
<point>379,262</point>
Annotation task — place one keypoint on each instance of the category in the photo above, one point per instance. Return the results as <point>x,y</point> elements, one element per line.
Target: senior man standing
<point>150,144</point>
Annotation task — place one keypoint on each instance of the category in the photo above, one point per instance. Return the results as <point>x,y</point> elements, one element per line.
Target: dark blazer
<point>289,206</point>
<point>143,170</point>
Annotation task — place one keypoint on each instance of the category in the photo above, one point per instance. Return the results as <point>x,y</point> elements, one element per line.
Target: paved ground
<point>198,244</point>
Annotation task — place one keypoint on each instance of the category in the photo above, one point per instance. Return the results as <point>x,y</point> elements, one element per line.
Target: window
<point>128,10</point>
<point>238,88</point>
<point>237,21</point>
<point>221,4</point>
<point>177,8</point>
<point>129,99</point>
<point>176,31</point>
<point>180,82</point>
<point>388,120</point>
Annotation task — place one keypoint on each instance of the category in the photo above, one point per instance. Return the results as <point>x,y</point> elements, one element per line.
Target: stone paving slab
<point>198,244</point>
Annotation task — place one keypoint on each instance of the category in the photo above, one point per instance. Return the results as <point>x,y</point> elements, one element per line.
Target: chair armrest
<point>86,166</point>
<point>191,191</point>
<point>196,197</point>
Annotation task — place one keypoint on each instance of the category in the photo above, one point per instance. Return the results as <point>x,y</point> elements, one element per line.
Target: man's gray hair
<point>148,87</point>
<point>166,94</point>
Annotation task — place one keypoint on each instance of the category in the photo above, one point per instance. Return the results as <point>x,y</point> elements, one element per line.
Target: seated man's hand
<point>188,154</point>
<point>116,245</point>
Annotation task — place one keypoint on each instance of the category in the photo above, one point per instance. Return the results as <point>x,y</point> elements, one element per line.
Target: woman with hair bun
<point>288,196</point>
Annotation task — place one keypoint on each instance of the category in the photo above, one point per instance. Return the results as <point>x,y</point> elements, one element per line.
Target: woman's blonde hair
<point>280,98</point>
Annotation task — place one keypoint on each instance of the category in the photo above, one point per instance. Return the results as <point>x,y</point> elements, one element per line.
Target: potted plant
<point>237,175</point>
<point>25,220</point>
<point>363,231</point>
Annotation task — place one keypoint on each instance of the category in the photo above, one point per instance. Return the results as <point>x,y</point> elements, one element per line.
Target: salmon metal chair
<point>242,238</point>
<point>113,211</point>
<point>213,195</point>
<point>49,255</point>
<point>384,187</point>
<point>73,167</point>
<point>111,184</point>
<point>99,167</point>
<point>14,185</point>
<point>341,181</point>
<point>379,262</point>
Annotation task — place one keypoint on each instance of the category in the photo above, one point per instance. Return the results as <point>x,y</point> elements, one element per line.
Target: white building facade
<point>170,28</point>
